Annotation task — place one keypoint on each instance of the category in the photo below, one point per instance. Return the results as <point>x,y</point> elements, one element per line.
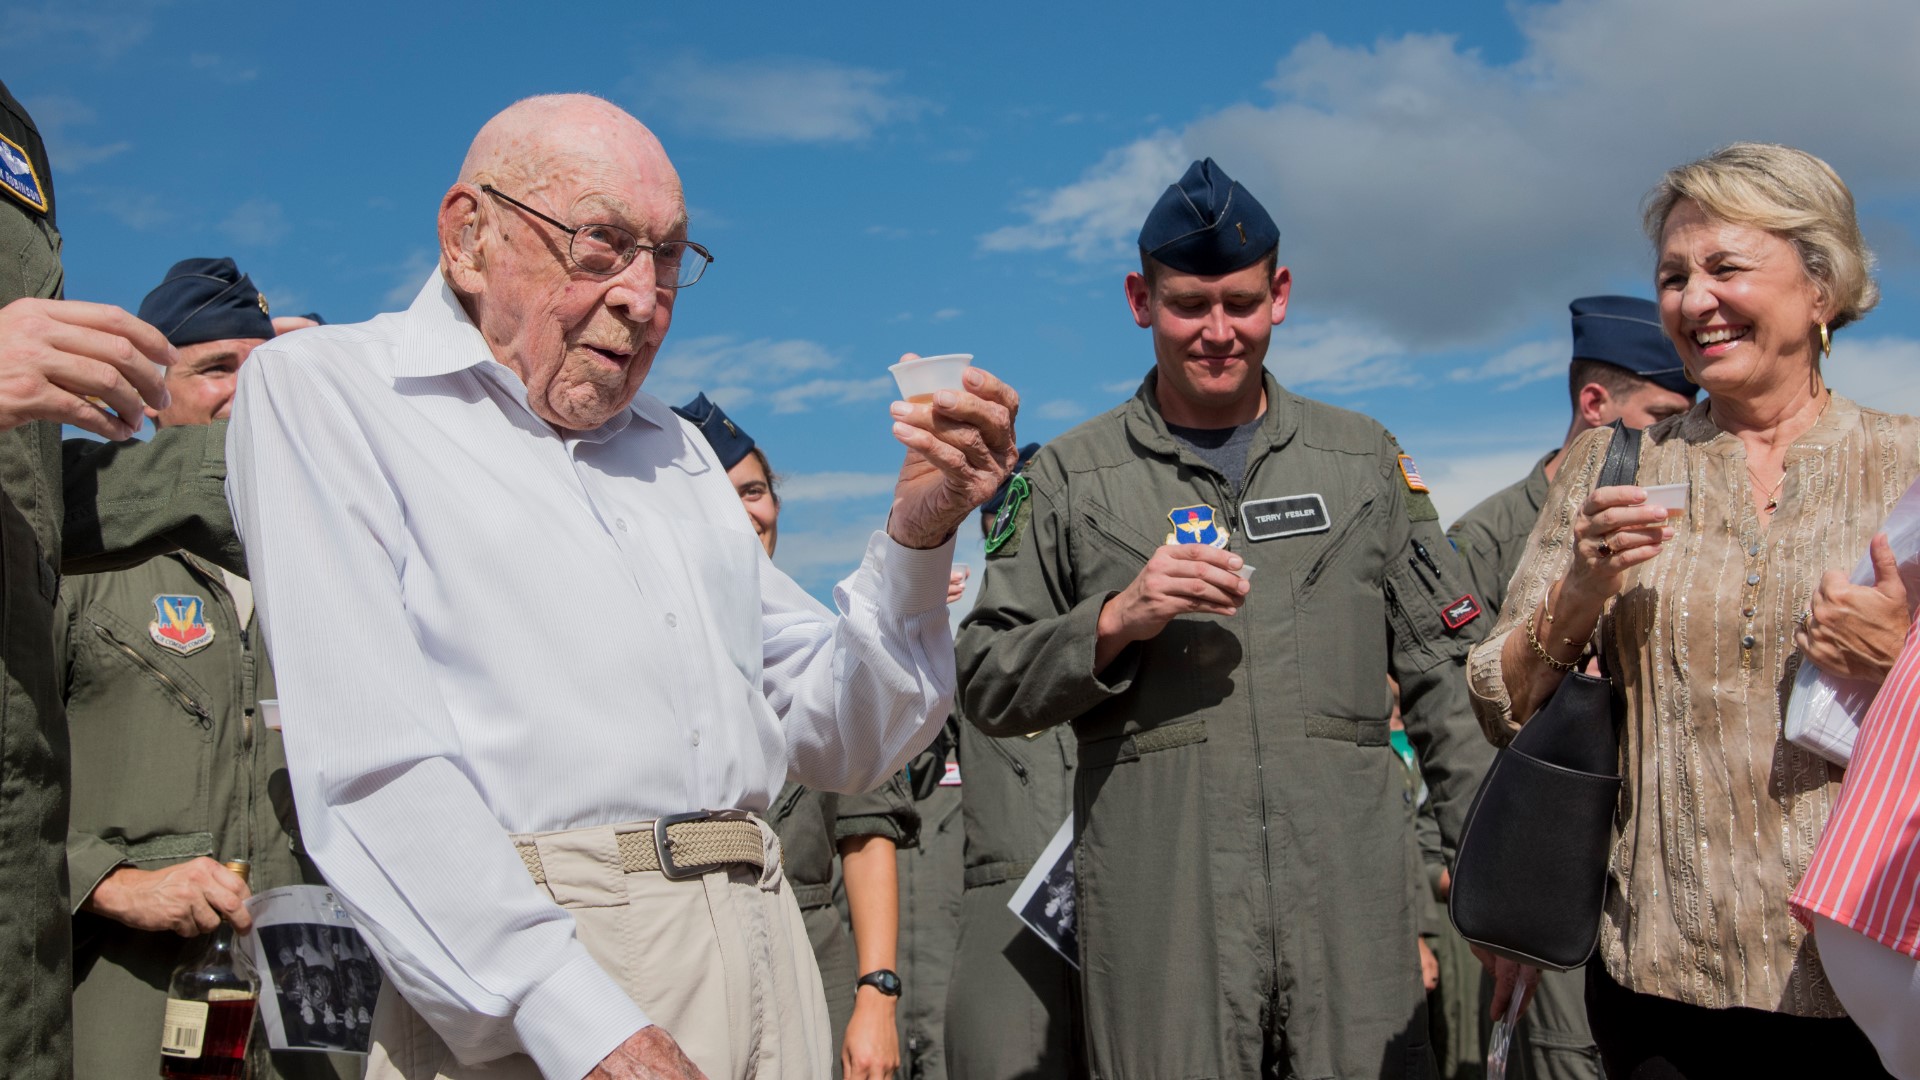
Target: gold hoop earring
<point>1826,341</point>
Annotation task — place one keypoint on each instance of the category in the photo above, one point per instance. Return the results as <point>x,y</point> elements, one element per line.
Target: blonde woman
<point>1702,970</point>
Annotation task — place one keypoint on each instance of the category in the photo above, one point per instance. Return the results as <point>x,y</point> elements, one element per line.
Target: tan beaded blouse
<point>1719,813</point>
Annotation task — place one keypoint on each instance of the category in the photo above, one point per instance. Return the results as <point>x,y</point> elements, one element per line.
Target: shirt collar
<point>441,340</point>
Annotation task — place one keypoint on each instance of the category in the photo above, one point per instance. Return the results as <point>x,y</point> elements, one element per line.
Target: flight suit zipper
<point>1019,767</point>
<point>166,681</point>
<point>1237,545</point>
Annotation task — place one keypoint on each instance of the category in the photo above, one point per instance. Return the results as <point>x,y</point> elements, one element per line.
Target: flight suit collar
<point>1148,427</point>
<point>1537,483</point>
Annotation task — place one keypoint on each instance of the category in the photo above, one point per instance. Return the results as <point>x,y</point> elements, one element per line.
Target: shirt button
<point>672,619</point>
<point>621,524</point>
<point>696,738</point>
<point>1753,579</point>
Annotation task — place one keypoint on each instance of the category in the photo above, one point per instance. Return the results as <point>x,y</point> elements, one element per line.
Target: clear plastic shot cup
<point>1245,572</point>
<point>920,379</point>
<point>270,713</point>
<point>1671,496</point>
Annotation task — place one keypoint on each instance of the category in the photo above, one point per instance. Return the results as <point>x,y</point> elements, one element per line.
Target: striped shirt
<point>481,627</point>
<point>1866,872</point>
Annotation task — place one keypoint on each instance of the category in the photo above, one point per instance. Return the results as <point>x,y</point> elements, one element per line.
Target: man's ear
<point>462,253</point>
<point>1140,299</point>
<point>1596,405</point>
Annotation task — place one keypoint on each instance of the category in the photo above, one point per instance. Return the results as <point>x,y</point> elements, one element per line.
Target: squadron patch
<point>1460,612</point>
<point>1271,519</point>
<point>180,624</point>
<point>1006,520</point>
<point>18,177</point>
<point>1412,474</point>
<point>1196,524</point>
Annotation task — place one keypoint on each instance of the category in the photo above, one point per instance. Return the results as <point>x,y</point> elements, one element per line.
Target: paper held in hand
<point>1045,901</point>
<point>1824,711</point>
<point>318,979</point>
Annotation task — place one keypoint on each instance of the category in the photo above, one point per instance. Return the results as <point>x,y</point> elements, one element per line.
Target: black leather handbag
<point>1531,873</point>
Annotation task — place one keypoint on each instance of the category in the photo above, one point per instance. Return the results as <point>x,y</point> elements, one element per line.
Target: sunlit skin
<point>581,343</point>
<point>202,381</point>
<point>1210,339</point>
<point>1647,406</point>
<point>749,479</point>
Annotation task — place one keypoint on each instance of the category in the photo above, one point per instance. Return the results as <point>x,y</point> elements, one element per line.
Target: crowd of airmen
<point>1251,892</point>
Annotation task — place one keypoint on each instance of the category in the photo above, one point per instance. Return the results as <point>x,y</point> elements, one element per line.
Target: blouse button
<point>1753,579</point>
<point>1747,642</point>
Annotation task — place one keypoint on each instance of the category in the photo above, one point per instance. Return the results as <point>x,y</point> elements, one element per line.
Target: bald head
<point>581,342</point>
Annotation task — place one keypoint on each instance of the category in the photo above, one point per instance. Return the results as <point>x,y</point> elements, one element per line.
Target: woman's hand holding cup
<point>1617,529</point>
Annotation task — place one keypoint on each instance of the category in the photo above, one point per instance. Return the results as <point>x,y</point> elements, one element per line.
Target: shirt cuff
<point>89,861</point>
<point>911,581</point>
<point>575,1017</point>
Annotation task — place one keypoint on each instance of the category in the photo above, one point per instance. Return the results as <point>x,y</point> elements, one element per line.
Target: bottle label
<point>185,1029</point>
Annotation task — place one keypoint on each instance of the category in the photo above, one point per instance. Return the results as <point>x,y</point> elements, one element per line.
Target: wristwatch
<point>882,980</point>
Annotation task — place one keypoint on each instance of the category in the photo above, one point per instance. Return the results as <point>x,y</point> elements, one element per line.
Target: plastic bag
<point>1824,711</point>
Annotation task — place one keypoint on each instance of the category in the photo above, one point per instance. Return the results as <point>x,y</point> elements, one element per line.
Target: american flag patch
<point>1412,472</point>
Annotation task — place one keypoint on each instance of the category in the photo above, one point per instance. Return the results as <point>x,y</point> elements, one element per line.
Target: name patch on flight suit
<point>1292,515</point>
<point>180,624</point>
<point>18,177</point>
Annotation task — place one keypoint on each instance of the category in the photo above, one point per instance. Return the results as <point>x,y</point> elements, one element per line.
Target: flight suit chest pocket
<point>1108,553</point>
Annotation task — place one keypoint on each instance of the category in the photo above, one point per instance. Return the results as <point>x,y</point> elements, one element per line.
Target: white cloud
<point>1338,357</point>
<point>946,313</point>
<point>1529,361</point>
<point>408,277</point>
<point>733,372</point>
<point>803,396</point>
<point>795,100</point>
<point>819,557</point>
<point>222,68</point>
<point>104,29</point>
<point>1129,387</point>
<point>1447,200</point>
<point>1060,410</point>
<point>140,211</point>
<point>834,486</point>
<point>56,116</point>
<point>255,223</point>
<point>1461,481</point>
<point>1881,373</point>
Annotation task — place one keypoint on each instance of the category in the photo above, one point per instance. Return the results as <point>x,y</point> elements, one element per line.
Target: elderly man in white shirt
<point>521,626</point>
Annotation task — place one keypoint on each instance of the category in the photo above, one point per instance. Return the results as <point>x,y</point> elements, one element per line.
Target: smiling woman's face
<point>1737,303</point>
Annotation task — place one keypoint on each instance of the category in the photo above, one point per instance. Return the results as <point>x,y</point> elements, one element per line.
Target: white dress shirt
<point>480,627</point>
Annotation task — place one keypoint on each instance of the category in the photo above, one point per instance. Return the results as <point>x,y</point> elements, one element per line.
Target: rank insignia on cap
<point>18,177</point>
<point>1460,612</point>
<point>261,299</point>
<point>1412,473</point>
<point>1196,525</point>
<point>181,624</point>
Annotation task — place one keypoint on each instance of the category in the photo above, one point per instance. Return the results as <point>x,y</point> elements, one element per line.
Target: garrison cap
<point>1625,331</point>
<point>1208,224</point>
<point>992,506</point>
<point>206,300</point>
<point>722,434</point>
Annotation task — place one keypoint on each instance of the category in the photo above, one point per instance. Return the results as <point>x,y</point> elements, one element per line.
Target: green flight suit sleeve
<point>888,811</point>
<point>1430,633</point>
<point>1480,554</point>
<point>129,501</point>
<point>89,857</point>
<point>1025,652</point>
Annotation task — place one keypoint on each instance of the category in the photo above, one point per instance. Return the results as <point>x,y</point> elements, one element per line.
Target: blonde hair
<point>1789,193</point>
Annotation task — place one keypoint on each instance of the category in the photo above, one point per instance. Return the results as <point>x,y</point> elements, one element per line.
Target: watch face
<point>884,981</point>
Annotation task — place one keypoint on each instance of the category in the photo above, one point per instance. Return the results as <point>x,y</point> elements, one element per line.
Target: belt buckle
<point>668,868</point>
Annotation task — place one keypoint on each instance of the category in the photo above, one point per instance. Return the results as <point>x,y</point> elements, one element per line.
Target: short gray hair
<point>1789,193</point>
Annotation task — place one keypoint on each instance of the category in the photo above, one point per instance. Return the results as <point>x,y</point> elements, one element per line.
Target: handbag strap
<point>1622,466</point>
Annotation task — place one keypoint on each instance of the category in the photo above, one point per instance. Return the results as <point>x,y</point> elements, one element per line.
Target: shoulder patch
<point>1003,537</point>
<point>18,176</point>
<point>180,623</point>
<point>1411,473</point>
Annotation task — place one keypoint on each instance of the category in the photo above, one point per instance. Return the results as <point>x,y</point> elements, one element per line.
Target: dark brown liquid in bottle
<point>224,1050</point>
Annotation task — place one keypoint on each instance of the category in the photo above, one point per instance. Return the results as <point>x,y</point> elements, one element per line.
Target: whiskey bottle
<point>210,1006</point>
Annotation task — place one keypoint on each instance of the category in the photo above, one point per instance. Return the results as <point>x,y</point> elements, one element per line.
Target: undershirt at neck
<point>1223,448</point>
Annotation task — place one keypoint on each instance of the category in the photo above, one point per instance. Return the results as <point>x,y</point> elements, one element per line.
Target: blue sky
<point>876,178</point>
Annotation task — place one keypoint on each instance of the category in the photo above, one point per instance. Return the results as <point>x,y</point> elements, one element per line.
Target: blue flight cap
<point>1625,331</point>
<point>992,506</point>
<point>1208,224</point>
<point>206,300</point>
<point>726,438</point>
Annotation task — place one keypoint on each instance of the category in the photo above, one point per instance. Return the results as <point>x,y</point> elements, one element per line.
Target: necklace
<point>1772,493</point>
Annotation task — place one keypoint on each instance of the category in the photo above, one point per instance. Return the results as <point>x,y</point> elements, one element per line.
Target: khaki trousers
<point>721,962</point>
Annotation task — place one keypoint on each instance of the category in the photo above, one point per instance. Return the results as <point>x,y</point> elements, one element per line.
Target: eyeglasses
<point>604,250</point>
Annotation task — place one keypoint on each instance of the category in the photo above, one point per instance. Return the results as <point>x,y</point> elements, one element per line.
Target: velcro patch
<point>1460,612</point>
<point>1006,521</point>
<point>18,177</point>
<point>1412,474</point>
<point>1293,515</point>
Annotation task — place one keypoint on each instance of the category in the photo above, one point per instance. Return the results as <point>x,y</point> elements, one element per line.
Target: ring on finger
<point>1604,549</point>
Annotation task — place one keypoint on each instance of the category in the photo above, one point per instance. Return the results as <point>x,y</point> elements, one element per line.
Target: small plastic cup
<point>270,713</point>
<point>1245,572</point>
<point>1671,496</point>
<point>920,379</point>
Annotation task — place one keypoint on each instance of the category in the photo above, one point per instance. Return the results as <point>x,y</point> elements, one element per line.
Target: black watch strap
<point>883,980</point>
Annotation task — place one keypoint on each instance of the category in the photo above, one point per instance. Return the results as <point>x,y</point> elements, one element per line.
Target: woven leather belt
<point>680,846</point>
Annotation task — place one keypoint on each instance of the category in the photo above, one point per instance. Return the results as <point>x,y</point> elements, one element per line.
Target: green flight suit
<point>811,825</point>
<point>170,762</point>
<point>83,507</point>
<point>929,915</point>
<point>1553,1041</point>
<point>1242,851</point>
<point>1013,1003</point>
